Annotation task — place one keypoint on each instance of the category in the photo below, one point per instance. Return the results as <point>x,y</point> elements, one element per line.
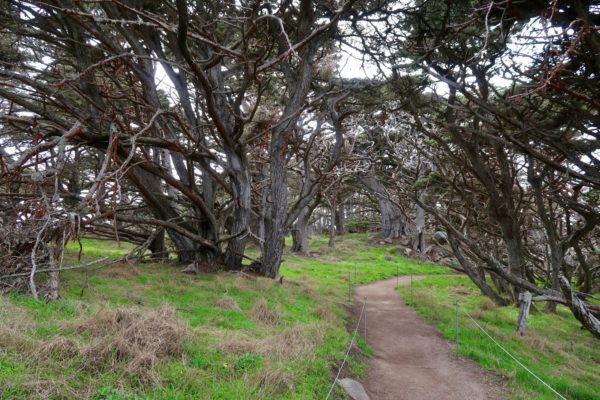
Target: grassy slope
<point>227,354</point>
<point>554,346</point>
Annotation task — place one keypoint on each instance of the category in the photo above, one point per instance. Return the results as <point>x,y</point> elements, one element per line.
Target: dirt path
<point>412,360</point>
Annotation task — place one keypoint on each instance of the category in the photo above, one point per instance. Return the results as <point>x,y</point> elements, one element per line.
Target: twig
<point>61,269</point>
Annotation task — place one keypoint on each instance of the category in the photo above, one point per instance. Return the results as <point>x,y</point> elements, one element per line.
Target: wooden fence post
<point>524,305</point>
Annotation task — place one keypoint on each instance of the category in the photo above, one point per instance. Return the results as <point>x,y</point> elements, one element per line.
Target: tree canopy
<point>194,127</point>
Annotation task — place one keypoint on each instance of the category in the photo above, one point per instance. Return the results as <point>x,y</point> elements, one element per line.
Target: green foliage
<point>431,180</point>
<point>111,393</point>
<point>248,362</point>
<point>592,197</point>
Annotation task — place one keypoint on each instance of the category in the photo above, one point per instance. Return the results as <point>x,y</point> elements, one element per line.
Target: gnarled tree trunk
<point>242,205</point>
<point>391,215</point>
<point>300,233</point>
<point>157,246</point>
<point>340,220</point>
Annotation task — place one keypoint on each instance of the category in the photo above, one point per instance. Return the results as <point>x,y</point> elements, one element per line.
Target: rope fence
<point>363,312</point>
<point>515,359</point>
<point>459,309</point>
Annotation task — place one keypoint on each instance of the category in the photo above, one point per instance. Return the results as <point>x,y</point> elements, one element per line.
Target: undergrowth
<point>148,331</point>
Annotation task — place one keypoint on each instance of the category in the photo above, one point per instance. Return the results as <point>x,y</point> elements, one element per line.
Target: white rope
<point>514,358</point>
<point>347,351</point>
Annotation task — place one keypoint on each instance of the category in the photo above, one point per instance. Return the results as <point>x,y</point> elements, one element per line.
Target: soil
<point>412,360</point>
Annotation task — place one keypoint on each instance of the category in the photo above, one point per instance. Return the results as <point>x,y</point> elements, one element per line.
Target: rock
<point>408,252</point>
<point>436,257</point>
<point>435,253</point>
<point>354,389</point>
<point>191,269</point>
<point>441,238</point>
<point>406,242</point>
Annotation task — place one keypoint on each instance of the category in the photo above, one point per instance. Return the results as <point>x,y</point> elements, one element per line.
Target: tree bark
<point>187,250</point>
<point>263,211</point>
<point>340,220</point>
<point>300,233</point>
<point>586,277</point>
<point>332,208</point>
<point>56,250</point>
<point>242,206</point>
<point>485,289</point>
<point>524,305</point>
<point>419,240</point>
<point>157,246</point>
<point>579,309</point>
<point>276,224</point>
<point>391,215</point>
<point>552,236</point>
<point>299,80</point>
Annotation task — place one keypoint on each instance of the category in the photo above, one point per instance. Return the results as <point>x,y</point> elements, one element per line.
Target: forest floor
<point>412,361</point>
<point>148,331</point>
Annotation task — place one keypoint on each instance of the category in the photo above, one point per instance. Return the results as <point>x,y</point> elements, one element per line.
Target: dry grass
<point>487,304</point>
<point>262,314</point>
<point>280,381</point>
<point>292,343</point>
<point>138,338</point>
<point>461,290</point>
<point>15,326</point>
<point>59,347</point>
<point>542,344</point>
<point>535,342</point>
<point>307,287</point>
<point>264,284</point>
<point>236,342</point>
<point>478,314</point>
<point>227,303</point>
<point>121,271</point>
<point>325,314</point>
<point>49,389</point>
<point>328,258</point>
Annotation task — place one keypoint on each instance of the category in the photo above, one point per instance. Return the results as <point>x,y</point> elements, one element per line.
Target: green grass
<point>554,346</point>
<point>228,354</point>
<point>215,363</point>
<point>94,248</point>
<point>353,259</point>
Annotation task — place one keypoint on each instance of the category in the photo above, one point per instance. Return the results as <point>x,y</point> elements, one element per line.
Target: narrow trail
<point>412,360</point>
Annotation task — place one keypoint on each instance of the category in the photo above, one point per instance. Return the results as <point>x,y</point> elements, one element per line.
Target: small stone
<point>354,389</point>
<point>191,269</point>
<point>441,238</point>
